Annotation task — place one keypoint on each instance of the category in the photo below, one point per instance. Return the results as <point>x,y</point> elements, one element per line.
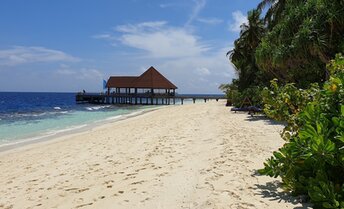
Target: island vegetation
<point>288,60</point>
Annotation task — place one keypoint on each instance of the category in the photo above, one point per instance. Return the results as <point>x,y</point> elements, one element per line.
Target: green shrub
<point>284,103</point>
<point>237,97</point>
<point>252,93</point>
<point>312,161</point>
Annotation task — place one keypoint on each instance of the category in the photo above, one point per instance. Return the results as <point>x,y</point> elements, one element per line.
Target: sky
<point>71,45</point>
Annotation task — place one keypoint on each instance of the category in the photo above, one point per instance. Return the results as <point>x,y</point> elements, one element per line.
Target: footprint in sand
<point>242,205</point>
<point>140,169</point>
<point>138,182</point>
<point>163,174</point>
<point>76,190</point>
<point>145,200</point>
<point>83,205</point>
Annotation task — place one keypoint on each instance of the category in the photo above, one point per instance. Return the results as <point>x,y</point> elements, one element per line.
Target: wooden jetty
<point>150,88</point>
<point>142,99</point>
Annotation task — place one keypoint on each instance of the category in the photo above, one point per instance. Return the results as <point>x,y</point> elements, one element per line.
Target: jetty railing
<point>142,98</point>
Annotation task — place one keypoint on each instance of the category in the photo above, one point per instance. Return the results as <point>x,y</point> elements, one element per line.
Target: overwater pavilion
<point>149,88</point>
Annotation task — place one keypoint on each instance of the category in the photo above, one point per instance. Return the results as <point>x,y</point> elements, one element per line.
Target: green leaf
<point>341,138</point>
<point>278,155</point>
<point>319,127</point>
<point>327,205</point>
<point>335,121</point>
<point>329,146</point>
<point>308,132</point>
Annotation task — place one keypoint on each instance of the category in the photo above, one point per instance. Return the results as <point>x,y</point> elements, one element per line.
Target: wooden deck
<point>142,99</point>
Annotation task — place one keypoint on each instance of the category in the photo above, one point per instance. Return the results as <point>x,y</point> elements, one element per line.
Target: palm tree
<point>242,56</point>
<point>274,12</point>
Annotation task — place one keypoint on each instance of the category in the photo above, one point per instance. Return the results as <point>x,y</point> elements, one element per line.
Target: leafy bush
<point>237,97</point>
<point>312,161</point>
<point>284,103</point>
<point>281,102</point>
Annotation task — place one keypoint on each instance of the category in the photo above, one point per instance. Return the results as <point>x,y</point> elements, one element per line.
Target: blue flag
<point>104,84</point>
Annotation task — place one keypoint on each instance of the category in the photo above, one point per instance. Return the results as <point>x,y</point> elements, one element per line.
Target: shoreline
<point>53,135</point>
<point>69,132</point>
<point>193,156</point>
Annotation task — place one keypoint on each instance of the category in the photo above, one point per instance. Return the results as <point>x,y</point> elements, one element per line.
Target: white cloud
<point>91,74</point>
<point>102,36</point>
<point>18,55</point>
<point>202,71</point>
<point>177,52</point>
<point>238,19</point>
<point>167,5</point>
<point>167,43</point>
<point>64,71</point>
<point>210,21</point>
<point>199,74</point>
<point>80,74</point>
<point>158,40</point>
<point>199,5</point>
<point>144,26</point>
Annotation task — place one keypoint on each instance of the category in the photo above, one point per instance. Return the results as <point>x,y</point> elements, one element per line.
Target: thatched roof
<point>121,81</point>
<point>151,78</point>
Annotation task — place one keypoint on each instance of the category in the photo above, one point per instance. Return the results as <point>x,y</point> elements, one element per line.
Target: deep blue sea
<point>27,116</point>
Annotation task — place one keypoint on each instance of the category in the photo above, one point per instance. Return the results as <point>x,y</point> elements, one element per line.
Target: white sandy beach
<point>192,156</point>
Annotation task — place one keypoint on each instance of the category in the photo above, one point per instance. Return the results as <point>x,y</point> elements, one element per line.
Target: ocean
<point>26,117</point>
<point>32,116</point>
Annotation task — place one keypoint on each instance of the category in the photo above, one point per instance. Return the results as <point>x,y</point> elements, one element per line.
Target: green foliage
<point>284,103</point>
<point>302,37</point>
<point>336,65</point>
<point>293,43</point>
<point>242,56</point>
<point>236,97</point>
<point>280,102</point>
<point>312,161</point>
<point>254,94</point>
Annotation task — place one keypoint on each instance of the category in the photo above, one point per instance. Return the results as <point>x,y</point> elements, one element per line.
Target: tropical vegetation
<point>311,162</point>
<point>288,60</point>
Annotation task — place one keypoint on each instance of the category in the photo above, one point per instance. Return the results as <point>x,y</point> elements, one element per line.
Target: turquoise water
<point>22,130</point>
<point>28,116</point>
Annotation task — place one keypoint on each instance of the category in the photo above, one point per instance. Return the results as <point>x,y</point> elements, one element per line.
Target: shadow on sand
<point>265,119</point>
<point>271,191</point>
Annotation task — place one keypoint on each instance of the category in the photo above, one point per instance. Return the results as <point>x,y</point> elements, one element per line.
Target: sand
<point>193,156</point>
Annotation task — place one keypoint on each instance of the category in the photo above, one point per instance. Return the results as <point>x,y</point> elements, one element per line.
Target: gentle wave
<point>114,118</point>
<point>31,115</point>
<point>5,143</point>
<point>66,129</point>
<point>97,107</point>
